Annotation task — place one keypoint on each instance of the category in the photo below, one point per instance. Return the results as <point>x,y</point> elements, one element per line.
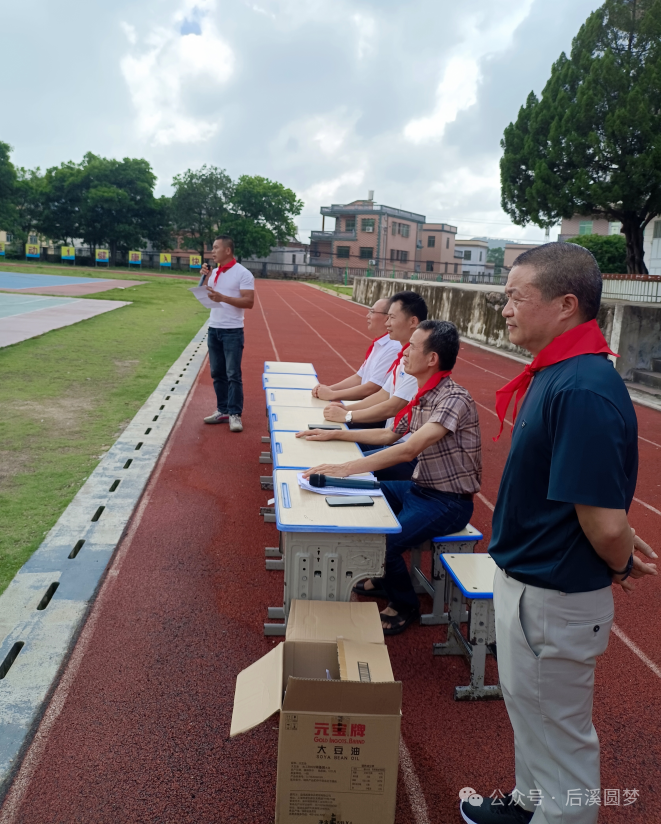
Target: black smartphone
<point>324,426</point>
<point>349,500</point>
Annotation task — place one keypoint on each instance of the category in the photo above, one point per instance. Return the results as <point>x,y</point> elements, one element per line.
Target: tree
<point>105,202</point>
<point>609,250</point>
<point>7,189</point>
<point>200,204</point>
<point>28,202</point>
<point>591,144</point>
<point>497,257</point>
<point>262,216</point>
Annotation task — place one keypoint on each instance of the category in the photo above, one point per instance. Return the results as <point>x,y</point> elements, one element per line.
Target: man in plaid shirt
<point>445,438</point>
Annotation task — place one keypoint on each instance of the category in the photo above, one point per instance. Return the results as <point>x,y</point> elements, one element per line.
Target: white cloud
<point>168,65</point>
<point>458,87</point>
<point>366,28</point>
<point>130,32</point>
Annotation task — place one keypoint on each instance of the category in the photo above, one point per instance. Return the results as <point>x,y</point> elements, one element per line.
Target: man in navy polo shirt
<point>560,535</point>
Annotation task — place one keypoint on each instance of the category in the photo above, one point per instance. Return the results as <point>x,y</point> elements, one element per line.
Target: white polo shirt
<point>405,387</point>
<point>376,366</point>
<point>230,283</point>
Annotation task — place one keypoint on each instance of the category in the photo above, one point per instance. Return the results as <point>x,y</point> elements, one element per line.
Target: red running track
<point>137,730</point>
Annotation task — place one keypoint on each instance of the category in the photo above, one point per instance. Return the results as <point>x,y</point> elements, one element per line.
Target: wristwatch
<point>347,417</point>
<point>626,571</point>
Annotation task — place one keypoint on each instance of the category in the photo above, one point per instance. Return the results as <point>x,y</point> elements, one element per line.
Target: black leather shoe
<point>494,811</point>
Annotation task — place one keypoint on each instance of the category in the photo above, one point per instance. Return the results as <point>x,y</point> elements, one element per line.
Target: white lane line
<point>14,798</point>
<point>636,649</point>
<point>268,328</point>
<point>658,445</point>
<point>647,506</point>
<point>485,501</point>
<point>488,371</point>
<point>289,306</point>
<point>335,318</point>
<point>413,787</point>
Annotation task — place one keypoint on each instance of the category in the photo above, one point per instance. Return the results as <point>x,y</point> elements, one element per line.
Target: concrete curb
<point>44,607</point>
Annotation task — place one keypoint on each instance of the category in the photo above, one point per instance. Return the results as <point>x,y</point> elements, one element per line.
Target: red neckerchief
<point>585,339</point>
<point>396,362</point>
<point>221,269</point>
<point>370,348</point>
<point>432,383</point>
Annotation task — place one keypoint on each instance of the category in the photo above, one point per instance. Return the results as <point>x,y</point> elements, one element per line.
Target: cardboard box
<point>338,747</point>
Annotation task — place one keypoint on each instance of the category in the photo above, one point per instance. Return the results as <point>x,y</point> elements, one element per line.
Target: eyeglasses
<point>373,312</point>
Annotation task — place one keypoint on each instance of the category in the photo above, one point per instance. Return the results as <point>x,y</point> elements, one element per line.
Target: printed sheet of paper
<point>202,295</point>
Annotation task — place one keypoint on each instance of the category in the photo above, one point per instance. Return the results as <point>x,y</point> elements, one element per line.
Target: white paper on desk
<point>202,295</point>
<point>340,490</point>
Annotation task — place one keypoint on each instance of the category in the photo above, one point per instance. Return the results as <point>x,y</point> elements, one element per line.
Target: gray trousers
<point>548,643</point>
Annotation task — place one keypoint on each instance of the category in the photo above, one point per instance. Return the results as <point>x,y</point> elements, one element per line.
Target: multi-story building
<point>513,250</point>
<point>472,257</point>
<point>438,247</point>
<point>586,225</point>
<point>369,235</point>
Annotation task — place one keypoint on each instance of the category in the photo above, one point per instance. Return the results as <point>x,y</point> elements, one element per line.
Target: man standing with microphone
<point>232,288</point>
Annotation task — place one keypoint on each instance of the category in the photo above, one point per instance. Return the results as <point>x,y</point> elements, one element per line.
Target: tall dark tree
<point>105,202</point>
<point>7,189</point>
<point>591,144</point>
<point>28,202</point>
<point>200,205</point>
<point>262,215</point>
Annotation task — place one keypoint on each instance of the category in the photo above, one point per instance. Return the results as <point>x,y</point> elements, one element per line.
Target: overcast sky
<point>330,97</point>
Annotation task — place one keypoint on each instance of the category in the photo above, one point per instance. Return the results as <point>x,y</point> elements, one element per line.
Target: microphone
<point>349,483</point>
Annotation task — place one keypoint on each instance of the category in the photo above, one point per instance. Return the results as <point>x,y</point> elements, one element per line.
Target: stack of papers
<point>304,483</point>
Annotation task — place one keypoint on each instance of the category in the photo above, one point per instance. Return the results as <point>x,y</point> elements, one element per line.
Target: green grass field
<point>336,287</point>
<point>67,396</point>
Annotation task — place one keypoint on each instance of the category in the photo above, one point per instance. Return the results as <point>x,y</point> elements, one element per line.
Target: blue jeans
<point>423,513</point>
<point>225,353</point>
<point>398,472</point>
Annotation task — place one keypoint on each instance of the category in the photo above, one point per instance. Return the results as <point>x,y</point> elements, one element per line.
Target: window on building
<point>585,227</point>
<point>456,268</point>
<point>350,224</point>
<point>366,252</point>
<point>404,257</point>
<point>480,257</point>
<point>431,242</point>
<point>614,227</point>
<point>10,237</point>
<point>343,251</point>
<point>467,254</point>
<point>656,235</point>
<point>293,258</point>
<point>33,239</point>
<point>405,229</point>
<point>394,227</point>
<point>447,242</point>
<point>367,224</point>
<point>430,266</point>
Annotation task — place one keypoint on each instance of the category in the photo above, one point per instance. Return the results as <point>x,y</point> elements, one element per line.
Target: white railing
<point>636,288</point>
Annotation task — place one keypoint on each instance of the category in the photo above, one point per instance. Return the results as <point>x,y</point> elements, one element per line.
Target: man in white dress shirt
<point>405,312</point>
<point>378,359</point>
<point>232,288</point>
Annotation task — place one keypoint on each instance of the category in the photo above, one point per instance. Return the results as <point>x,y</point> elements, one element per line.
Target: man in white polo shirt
<point>406,310</point>
<point>232,287</point>
<point>378,359</point>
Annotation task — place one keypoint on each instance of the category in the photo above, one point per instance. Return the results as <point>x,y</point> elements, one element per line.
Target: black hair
<point>413,304</point>
<point>443,338</point>
<point>565,269</point>
<point>227,241</point>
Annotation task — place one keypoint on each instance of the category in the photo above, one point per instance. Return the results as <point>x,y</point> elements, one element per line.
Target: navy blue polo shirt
<point>575,442</point>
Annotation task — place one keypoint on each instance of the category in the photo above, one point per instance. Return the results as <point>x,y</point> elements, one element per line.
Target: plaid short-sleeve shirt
<point>453,464</point>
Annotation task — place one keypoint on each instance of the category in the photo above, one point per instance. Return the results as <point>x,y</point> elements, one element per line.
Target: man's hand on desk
<point>318,434</point>
<point>323,392</point>
<point>336,470</point>
<point>335,413</point>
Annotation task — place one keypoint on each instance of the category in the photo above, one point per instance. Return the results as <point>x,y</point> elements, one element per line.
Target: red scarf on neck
<point>396,362</point>
<point>370,348</point>
<point>432,383</point>
<point>585,339</point>
<point>221,269</point>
